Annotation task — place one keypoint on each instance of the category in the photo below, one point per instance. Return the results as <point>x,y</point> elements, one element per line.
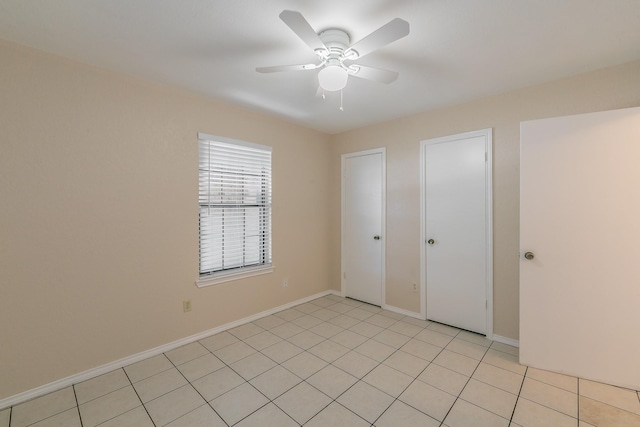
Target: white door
<point>362,225</point>
<point>580,220</point>
<point>457,229</point>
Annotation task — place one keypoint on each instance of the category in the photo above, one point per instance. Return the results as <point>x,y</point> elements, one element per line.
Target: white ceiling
<point>457,50</point>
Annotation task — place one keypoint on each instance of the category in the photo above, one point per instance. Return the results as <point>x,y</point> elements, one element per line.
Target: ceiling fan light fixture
<point>333,78</point>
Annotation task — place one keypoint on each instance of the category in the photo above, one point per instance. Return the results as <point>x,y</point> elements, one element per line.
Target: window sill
<point>219,278</point>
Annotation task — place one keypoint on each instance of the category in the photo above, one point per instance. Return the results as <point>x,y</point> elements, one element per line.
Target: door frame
<point>488,182</point>
<point>383,166</point>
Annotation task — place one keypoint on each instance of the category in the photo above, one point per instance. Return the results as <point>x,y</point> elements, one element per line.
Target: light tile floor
<point>333,362</point>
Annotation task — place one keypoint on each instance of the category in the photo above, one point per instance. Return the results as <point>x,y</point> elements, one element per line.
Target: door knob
<point>376,237</point>
<point>431,241</point>
<point>529,255</point>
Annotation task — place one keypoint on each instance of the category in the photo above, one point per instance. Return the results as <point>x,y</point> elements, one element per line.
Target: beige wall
<point>608,89</point>
<point>98,213</point>
<point>98,216</point>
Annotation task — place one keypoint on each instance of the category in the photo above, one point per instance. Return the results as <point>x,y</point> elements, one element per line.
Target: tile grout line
<point>303,380</point>
<point>610,404</point>
<point>333,400</point>
<point>577,397</point>
<point>372,369</point>
<point>282,409</point>
<point>52,415</point>
<point>277,364</point>
<point>415,378</point>
<point>465,384</point>
<point>430,362</point>
<point>75,396</point>
<point>98,397</point>
<point>518,396</point>
<point>246,381</point>
<point>206,402</point>
<point>136,392</point>
<point>545,405</point>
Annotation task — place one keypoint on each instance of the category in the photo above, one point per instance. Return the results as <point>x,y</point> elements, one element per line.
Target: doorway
<point>363,219</point>
<point>456,223</point>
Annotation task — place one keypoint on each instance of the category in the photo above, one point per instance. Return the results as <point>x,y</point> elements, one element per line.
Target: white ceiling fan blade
<point>375,74</point>
<point>301,27</point>
<point>278,68</point>
<point>388,33</point>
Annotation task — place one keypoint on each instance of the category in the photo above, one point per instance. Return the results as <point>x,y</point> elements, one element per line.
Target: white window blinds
<point>235,205</point>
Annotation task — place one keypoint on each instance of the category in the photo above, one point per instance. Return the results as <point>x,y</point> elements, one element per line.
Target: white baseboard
<point>103,369</point>
<point>402,311</point>
<point>505,340</point>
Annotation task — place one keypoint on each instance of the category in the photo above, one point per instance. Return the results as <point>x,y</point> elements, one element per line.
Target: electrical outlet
<point>186,306</point>
<point>285,283</point>
<point>415,287</point>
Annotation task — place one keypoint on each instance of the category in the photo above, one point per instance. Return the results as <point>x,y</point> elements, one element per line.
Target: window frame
<point>236,273</point>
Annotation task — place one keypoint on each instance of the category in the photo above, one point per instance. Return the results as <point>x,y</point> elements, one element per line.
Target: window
<point>235,209</point>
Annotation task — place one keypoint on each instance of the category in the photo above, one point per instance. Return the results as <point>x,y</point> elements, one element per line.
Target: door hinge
<point>486,156</point>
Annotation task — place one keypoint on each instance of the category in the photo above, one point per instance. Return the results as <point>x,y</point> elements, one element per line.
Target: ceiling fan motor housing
<point>337,42</point>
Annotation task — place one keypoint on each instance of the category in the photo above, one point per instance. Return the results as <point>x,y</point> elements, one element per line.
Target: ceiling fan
<point>336,54</point>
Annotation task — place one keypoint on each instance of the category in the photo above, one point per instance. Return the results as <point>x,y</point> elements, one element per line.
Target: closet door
<point>362,226</point>
<point>457,229</point>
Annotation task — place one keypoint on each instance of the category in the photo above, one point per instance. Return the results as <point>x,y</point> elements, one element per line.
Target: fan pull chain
<point>323,95</point>
<point>341,109</point>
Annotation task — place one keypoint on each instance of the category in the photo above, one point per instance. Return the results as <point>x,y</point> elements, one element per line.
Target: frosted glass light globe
<point>333,77</point>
